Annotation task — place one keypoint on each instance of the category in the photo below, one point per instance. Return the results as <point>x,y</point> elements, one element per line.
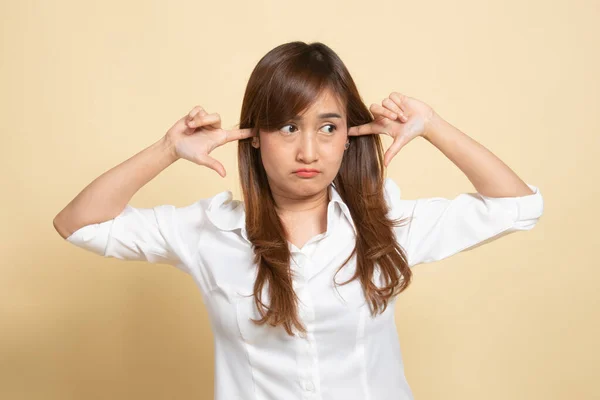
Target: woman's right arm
<point>107,195</point>
<point>101,220</point>
<point>192,137</point>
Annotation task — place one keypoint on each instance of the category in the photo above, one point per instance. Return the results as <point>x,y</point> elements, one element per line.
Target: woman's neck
<point>295,211</point>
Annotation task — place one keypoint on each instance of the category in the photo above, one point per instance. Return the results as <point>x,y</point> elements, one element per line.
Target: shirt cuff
<point>93,237</point>
<point>528,207</point>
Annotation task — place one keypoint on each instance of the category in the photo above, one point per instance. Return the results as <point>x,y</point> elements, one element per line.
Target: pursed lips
<point>307,170</point>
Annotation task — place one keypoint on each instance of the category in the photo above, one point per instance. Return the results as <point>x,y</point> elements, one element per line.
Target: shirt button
<point>308,385</point>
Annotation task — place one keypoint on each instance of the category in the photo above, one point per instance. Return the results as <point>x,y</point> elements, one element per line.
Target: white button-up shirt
<point>346,354</point>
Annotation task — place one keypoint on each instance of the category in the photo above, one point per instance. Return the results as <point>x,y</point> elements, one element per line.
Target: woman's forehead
<point>326,103</point>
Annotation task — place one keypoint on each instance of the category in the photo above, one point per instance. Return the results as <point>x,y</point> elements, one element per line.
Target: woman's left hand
<point>399,116</point>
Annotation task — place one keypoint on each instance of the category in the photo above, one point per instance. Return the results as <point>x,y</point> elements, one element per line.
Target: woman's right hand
<point>198,133</point>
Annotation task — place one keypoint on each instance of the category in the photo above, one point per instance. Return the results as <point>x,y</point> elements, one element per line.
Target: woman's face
<point>312,141</point>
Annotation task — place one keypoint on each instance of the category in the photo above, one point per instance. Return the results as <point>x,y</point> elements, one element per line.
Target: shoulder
<point>391,189</point>
<point>223,211</point>
<point>391,192</point>
<point>203,213</point>
<point>399,207</point>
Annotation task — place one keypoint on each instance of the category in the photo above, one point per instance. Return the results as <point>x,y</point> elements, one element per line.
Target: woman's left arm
<point>440,227</point>
<point>490,176</point>
<point>404,118</point>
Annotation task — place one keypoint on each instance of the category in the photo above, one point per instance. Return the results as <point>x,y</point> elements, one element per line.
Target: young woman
<point>300,279</point>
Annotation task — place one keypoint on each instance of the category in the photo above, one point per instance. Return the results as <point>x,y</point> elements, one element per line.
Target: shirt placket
<point>308,368</point>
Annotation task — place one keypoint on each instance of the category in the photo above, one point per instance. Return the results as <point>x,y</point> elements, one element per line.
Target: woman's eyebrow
<point>322,116</point>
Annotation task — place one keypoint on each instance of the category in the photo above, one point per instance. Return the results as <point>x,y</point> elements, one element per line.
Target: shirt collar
<point>228,214</point>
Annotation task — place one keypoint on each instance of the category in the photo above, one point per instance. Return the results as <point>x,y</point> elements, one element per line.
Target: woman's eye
<point>333,128</point>
<point>293,128</point>
<point>284,130</point>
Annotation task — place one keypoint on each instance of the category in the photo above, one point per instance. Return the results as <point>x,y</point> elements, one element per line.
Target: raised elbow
<point>60,228</point>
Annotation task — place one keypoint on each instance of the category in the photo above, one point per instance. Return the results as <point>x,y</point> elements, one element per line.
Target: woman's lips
<point>306,173</point>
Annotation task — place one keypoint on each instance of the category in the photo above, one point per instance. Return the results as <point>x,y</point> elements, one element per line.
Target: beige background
<point>86,86</point>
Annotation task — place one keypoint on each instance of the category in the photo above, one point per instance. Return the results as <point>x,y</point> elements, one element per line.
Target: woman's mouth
<point>306,172</point>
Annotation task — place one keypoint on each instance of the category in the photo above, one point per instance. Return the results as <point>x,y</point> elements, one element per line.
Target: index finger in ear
<point>365,129</point>
<point>239,134</point>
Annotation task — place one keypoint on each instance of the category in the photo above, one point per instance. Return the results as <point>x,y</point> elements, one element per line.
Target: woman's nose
<point>308,148</point>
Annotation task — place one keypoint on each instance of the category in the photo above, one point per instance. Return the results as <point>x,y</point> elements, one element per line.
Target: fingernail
<point>191,124</point>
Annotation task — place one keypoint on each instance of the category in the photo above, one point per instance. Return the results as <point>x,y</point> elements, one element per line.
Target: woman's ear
<point>255,142</point>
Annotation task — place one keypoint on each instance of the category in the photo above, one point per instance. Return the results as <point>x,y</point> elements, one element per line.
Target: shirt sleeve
<point>440,227</point>
<point>163,234</point>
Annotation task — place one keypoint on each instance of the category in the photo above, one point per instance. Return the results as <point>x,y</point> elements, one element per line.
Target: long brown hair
<point>283,84</point>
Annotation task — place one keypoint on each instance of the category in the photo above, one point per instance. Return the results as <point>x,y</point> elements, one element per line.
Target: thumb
<point>392,151</point>
<point>211,163</point>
